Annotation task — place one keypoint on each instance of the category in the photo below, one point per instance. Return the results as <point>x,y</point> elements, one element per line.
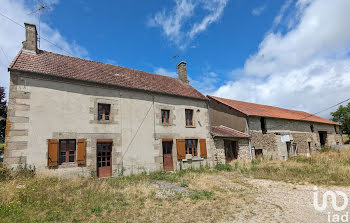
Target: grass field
<point>213,194</point>
<point>346,138</point>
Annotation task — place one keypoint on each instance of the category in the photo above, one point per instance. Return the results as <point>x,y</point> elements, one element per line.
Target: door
<point>104,159</point>
<point>231,150</point>
<point>323,138</point>
<point>168,155</point>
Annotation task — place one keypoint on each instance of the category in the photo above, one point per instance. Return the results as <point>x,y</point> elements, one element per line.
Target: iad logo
<point>333,196</point>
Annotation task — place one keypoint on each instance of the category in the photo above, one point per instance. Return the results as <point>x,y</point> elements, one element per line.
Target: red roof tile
<point>223,131</point>
<point>252,109</point>
<point>70,67</point>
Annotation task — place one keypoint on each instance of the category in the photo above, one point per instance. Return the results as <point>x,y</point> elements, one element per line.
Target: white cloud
<point>257,11</point>
<point>165,72</point>
<point>181,24</point>
<point>12,35</point>
<point>306,68</point>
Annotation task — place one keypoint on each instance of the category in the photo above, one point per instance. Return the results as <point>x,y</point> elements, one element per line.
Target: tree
<point>342,115</point>
<point>3,114</point>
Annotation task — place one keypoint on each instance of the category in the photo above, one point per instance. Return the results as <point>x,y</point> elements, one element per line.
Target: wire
<point>42,37</point>
<point>316,112</point>
<point>5,54</point>
<point>137,131</point>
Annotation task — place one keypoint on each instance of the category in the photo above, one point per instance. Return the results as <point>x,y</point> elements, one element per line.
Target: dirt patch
<point>285,202</point>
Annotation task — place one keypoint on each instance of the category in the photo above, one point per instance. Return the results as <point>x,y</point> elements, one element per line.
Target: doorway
<point>168,155</point>
<point>231,150</point>
<point>323,138</point>
<point>104,159</point>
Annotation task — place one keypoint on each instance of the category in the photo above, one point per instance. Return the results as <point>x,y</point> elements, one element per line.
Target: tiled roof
<point>251,109</point>
<point>223,131</point>
<point>48,63</point>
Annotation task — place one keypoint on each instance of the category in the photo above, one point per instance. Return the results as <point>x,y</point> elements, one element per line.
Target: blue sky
<point>293,54</point>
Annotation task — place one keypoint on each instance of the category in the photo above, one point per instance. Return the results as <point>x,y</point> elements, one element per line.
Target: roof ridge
<point>263,110</point>
<point>272,106</point>
<point>94,61</point>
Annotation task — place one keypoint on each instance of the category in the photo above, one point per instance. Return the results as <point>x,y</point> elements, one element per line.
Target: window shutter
<point>52,155</point>
<point>180,147</point>
<point>203,147</point>
<point>81,160</point>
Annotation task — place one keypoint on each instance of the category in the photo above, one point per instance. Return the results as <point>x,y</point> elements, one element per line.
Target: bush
<point>325,149</point>
<point>223,167</point>
<point>5,173</point>
<point>25,171</point>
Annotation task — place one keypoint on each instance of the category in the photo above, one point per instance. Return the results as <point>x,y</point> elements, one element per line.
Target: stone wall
<point>299,132</point>
<point>42,108</point>
<point>243,149</point>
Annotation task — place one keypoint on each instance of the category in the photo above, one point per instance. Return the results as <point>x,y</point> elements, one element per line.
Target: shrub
<point>325,149</point>
<point>5,173</point>
<point>24,171</point>
<point>223,167</point>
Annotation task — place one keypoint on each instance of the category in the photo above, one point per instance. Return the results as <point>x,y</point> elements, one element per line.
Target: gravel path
<point>285,202</point>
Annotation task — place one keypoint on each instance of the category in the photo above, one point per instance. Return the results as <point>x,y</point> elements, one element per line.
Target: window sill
<point>166,124</point>
<point>190,126</point>
<point>195,158</point>
<point>67,165</point>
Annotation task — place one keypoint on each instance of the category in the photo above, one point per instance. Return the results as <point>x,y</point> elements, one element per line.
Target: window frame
<point>193,150</point>
<point>104,114</point>
<point>189,122</point>
<point>67,150</point>
<point>165,120</point>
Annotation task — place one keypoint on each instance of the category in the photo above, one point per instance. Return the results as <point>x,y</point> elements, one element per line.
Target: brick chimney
<point>182,72</point>
<point>30,44</point>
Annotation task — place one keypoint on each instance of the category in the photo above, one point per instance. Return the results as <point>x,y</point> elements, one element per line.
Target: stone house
<point>69,116</point>
<point>267,131</point>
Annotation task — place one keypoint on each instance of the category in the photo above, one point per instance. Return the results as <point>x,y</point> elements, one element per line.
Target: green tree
<point>342,115</point>
<point>3,114</point>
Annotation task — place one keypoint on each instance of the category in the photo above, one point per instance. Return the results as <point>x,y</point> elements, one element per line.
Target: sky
<point>291,54</point>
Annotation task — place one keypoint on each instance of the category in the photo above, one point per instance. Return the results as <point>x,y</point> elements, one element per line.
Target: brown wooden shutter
<point>203,147</point>
<point>52,155</point>
<point>180,147</point>
<point>81,152</point>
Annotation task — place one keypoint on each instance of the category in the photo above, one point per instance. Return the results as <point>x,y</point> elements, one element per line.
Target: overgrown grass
<point>213,194</point>
<point>329,167</point>
<point>346,139</point>
<point>136,198</point>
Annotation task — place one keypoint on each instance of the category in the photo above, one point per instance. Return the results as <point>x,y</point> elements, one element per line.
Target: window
<point>165,116</point>
<point>67,151</point>
<point>312,128</point>
<point>263,125</point>
<point>191,146</point>
<point>189,117</point>
<point>336,129</point>
<point>104,111</point>
<point>258,153</point>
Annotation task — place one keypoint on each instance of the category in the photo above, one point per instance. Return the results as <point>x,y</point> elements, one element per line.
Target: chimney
<point>30,44</point>
<point>182,72</point>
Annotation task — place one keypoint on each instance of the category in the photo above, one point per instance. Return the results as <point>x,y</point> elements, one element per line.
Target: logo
<point>332,217</point>
<point>333,196</point>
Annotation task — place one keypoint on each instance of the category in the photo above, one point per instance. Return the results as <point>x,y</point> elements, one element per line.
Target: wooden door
<point>104,159</point>
<point>231,150</point>
<point>168,156</point>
